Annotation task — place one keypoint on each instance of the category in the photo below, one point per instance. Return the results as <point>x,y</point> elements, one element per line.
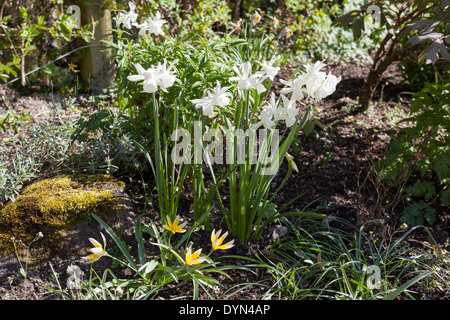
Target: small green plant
<point>423,152</point>
<point>29,28</point>
<point>318,261</point>
<point>23,270</point>
<point>175,263</point>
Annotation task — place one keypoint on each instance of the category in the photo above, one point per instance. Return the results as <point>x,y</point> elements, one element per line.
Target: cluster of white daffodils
<point>149,26</point>
<point>219,97</point>
<point>247,80</point>
<point>313,83</point>
<point>161,76</point>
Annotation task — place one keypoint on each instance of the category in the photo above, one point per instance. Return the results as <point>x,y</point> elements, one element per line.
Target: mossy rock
<point>61,208</point>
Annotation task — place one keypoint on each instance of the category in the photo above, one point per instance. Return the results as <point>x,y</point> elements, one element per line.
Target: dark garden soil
<point>335,175</point>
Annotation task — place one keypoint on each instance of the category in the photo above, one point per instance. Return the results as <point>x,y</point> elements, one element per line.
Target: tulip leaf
<point>117,240</point>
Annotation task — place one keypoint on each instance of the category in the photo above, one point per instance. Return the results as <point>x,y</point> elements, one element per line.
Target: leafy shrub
<point>419,20</point>
<point>316,36</point>
<point>423,152</point>
<point>34,33</point>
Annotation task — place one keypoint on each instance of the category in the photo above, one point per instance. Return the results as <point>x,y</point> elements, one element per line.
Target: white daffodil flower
<point>295,86</point>
<point>313,77</point>
<point>248,81</point>
<point>154,77</point>
<point>256,18</point>
<point>150,77</point>
<point>218,97</point>
<point>288,111</point>
<point>327,87</point>
<point>266,118</point>
<point>127,19</point>
<point>205,104</point>
<point>166,76</point>
<point>152,26</point>
<point>269,111</point>
<point>268,69</point>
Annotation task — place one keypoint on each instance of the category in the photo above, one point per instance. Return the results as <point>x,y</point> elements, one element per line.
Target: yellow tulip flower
<point>217,242</point>
<point>174,226</point>
<point>98,251</point>
<point>193,258</point>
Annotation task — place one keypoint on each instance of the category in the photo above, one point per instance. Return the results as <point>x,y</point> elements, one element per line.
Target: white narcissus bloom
<point>127,19</point>
<point>276,22</point>
<point>149,76</point>
<point>288,112</point>
<point>268,69</point>
<point>243,76</point>
<point>205,104</point>
<point>256,18</point>
<point>218,97</point>
<point>288,32</point>
<point>248,81</point>
<point>152,26</point>
<point>313,77</point>
<point>269,111</point>
<point>296,87</point>
<point>166,76</point>
<point>154,77</point>
<point>328,87</point>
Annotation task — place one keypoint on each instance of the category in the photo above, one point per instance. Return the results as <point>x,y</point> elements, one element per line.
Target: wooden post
<point>97,68</point>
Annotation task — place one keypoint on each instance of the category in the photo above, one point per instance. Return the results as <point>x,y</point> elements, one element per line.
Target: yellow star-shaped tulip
<point>98,251</point>
<point>174,226</point>
<point>217,242</point>
<point>193,258</point>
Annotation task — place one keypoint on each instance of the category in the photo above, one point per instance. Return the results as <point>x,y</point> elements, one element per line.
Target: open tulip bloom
<point>97,251</point>
<point>192,259</point>
<point>217,242</point>
<point>174,226</point>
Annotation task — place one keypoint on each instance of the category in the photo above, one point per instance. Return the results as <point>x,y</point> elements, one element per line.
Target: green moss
<point>55,205</point>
